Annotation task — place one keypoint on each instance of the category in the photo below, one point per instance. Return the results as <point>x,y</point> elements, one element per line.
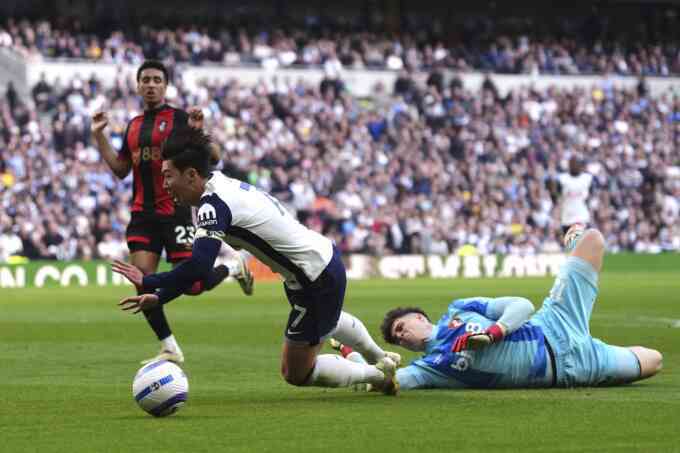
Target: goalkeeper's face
<point>412,331</point>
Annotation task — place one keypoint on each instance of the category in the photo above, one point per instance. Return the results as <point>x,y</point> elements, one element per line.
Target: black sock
<point>158,322</point>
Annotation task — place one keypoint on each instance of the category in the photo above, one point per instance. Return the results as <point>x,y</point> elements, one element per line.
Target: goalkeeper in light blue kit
<point>500,343</point>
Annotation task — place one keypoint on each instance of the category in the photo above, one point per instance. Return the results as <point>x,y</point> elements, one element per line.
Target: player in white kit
<point>574,188</point>
<point>236,213</point>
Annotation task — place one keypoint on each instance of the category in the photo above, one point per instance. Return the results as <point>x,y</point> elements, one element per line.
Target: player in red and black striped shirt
<point>156,222</point>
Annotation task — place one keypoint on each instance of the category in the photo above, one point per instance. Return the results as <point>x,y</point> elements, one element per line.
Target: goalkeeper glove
<point>478,340</point>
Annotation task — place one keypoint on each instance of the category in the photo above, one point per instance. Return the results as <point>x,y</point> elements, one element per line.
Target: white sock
<point>234,268</point>
<point>332,370</point>
<point>170,344</point>
<point>352,332</point>
<point>356,357</point>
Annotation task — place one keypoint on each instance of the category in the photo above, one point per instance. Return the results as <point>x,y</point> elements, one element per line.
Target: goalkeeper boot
<point>573,235</point>
<point>390,385</point>
<point>171,356</point>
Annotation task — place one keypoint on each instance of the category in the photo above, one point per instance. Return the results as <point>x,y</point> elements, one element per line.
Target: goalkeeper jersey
<point>519,360</point>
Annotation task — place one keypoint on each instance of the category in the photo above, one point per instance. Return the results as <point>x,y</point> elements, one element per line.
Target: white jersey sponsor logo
<point>207,215</point>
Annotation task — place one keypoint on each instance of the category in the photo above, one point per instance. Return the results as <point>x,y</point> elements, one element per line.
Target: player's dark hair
<point>189,148</point>
<point>153,64</point>
<point>392,315</point>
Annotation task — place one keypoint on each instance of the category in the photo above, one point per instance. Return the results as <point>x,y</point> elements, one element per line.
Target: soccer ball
<point>160,388</point>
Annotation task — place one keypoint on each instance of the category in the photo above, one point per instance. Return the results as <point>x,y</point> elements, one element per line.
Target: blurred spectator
<point>433,169</point>
<point>10,244</point>
<point>527,44</point>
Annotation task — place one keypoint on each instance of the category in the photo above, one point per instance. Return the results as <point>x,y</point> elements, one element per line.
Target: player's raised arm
<point>120,164</point>
<point>196,121</point>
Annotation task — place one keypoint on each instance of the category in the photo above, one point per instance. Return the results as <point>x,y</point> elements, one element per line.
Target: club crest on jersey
<point>161,126</point>
<point>455,323</point>
<point>207,216</point>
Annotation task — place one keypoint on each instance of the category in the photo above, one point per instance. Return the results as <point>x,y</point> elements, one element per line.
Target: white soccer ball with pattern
<point>160,388</point>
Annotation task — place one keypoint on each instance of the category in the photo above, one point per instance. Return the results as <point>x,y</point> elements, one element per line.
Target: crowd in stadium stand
<point>413,169</point>
<point>474,44</point>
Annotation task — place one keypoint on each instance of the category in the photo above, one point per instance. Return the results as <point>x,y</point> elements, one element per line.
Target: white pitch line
<point>670,322</point>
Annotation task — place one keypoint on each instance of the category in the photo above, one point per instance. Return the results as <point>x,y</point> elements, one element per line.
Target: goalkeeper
<point>494,343</point>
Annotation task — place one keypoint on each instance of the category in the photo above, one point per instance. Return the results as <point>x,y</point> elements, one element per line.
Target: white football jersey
<point>575,191</point>
<point>246,217</point>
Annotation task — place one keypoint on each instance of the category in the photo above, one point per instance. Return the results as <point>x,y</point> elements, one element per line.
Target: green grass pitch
<point>67,358</point>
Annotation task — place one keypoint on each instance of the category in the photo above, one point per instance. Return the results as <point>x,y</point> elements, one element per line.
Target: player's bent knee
<point>296,382</point>
<point>298,362</point>
<point>594,240</point>
<point>656,361</point>
<point>297,379</point>
<point>591,248</point>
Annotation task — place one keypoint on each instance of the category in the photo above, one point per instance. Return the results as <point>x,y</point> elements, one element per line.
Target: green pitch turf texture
<point>67,358</point>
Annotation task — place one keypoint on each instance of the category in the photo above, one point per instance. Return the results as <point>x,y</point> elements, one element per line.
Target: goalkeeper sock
<point>352,332</point>
<point>331,370</point>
